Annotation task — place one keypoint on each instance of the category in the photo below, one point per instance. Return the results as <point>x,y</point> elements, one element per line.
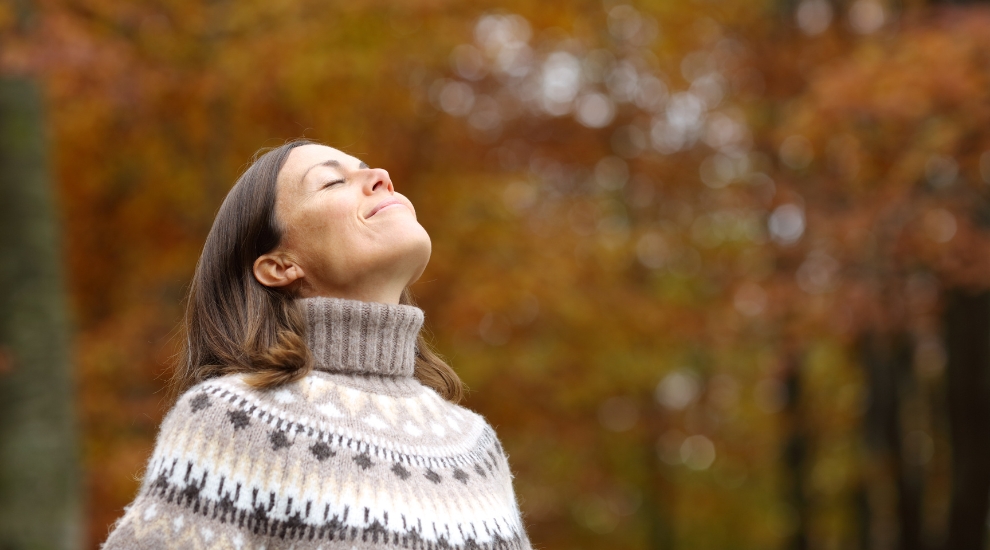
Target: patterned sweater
<point>356,455</point>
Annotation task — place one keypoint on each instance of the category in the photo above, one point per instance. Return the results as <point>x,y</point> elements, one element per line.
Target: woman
<point>312,412</point>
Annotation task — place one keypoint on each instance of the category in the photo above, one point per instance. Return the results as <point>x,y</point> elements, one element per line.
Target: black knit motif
<point>403,473</point>
<point>364,461</point>
<point>200,402</point>
<point>239,419</point>
<point>279,440</point>
<point>305,523</point>
<point>321,451</point>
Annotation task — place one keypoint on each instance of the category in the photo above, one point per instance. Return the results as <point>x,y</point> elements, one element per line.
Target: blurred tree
<point>39,472</point>
<point>967,325</point>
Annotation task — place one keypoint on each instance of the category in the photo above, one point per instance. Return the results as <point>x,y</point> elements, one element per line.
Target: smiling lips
<point>383,204</point>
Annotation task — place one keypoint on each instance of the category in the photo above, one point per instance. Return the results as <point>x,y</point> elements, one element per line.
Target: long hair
<point>234,324</point>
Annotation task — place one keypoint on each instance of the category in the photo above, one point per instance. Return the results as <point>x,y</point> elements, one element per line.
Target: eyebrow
<point>332,164</point>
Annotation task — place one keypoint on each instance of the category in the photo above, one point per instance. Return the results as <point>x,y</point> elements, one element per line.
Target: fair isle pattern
<point>336,460</point>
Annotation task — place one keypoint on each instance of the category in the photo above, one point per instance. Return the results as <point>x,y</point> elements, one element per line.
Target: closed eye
<point>332,183</point>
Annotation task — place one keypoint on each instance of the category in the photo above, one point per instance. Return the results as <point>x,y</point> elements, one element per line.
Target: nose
<point>378,180</point>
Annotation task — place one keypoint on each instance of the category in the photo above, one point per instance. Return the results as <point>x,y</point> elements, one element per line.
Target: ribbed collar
<point>362,337</point>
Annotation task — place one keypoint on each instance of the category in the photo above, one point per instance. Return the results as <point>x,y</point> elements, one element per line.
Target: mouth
<point>384,204</point>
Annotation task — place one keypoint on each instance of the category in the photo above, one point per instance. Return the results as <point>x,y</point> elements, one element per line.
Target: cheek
<point>319,234</point>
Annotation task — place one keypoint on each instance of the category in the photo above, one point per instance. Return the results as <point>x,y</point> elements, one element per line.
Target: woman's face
<point>345,229</point>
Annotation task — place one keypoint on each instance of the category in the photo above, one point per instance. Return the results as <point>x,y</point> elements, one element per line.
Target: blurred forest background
<point>716,270</point>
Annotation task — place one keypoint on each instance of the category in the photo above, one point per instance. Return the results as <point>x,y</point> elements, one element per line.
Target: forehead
<point>304,157</point>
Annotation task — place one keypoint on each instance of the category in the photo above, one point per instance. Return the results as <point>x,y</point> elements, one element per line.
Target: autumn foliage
<point>701,264</point>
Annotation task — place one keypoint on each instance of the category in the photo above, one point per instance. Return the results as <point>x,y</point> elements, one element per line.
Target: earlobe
<point>276,271</point>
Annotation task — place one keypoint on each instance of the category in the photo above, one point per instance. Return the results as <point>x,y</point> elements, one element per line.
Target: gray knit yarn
<point>362,337</point>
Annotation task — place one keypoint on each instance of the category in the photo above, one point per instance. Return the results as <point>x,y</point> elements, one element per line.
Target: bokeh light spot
<point>595,110</point>
<point>818,273</point>
<point>468,62</point>
<point>678,389</point>
<point>750,299</point>
<point>652,250</point>
<point>456,98</point>
<point>698,452</point>
<point>814,16</point>
<point>866,16</point>
<point>786,224</point>
<point>940,225</point>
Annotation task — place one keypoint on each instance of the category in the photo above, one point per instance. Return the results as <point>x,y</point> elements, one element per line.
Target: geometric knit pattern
<point>343,458</point>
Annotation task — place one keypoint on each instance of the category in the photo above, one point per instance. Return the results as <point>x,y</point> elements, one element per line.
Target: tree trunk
<point>795,451</point>
<point>39,476</point>
<point>888,359</point>
<point>967,338</point>
<point>658,492</point>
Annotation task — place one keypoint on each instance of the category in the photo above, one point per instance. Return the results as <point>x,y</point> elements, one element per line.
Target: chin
<point>409,252</point>
<point>419,256</point>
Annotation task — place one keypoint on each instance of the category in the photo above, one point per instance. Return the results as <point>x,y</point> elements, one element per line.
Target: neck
<point>383,294</point>
<point>381,286</point>
<point>358,337</point>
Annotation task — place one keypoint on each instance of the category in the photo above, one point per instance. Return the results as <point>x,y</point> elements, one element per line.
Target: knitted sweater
<point>356,455</point>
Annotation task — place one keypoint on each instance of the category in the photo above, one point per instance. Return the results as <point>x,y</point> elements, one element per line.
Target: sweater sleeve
<point>167,512</point>
<point>500,458</point>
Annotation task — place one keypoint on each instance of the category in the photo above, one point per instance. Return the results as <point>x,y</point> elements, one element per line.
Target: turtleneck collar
<point>362,337</point>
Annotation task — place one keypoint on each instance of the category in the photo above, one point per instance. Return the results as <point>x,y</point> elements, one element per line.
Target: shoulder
<point>214,411</point>
<point>472,421</point>
<point>206,406</point>
<point>204,395</point>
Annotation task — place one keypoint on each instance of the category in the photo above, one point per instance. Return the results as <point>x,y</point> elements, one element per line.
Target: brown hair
<point>234,324</point>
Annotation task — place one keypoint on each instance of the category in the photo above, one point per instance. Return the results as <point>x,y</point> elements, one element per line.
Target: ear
<point>276,270</point>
